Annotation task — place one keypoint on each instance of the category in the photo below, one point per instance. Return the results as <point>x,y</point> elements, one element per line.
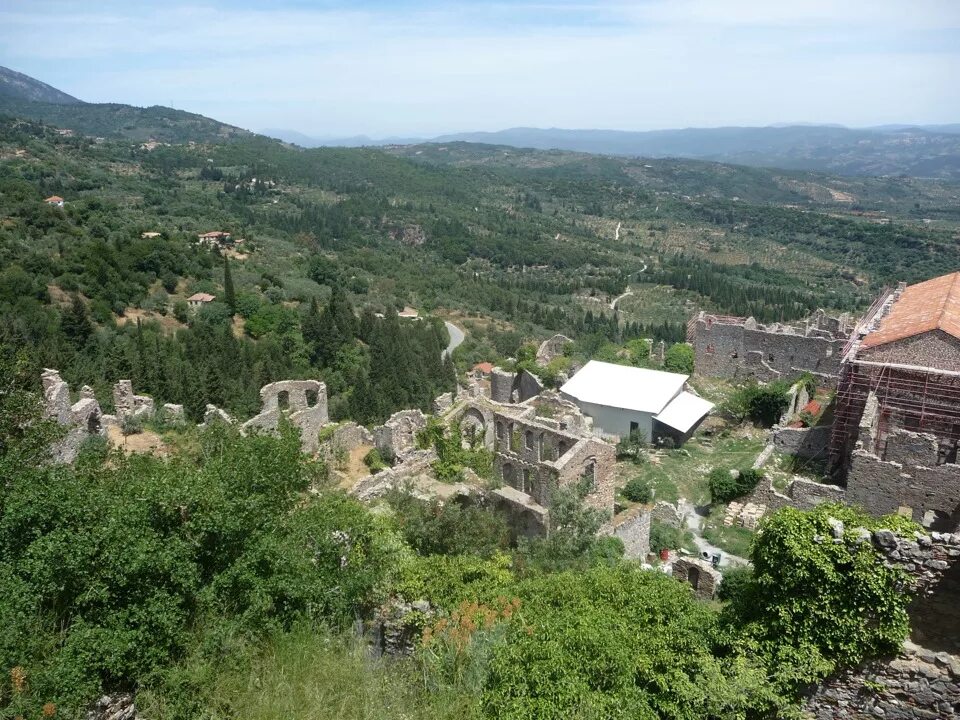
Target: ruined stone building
<point>302,402</point>
<point>620,400</point>
<point>897,411</point>
<point>742,348</point>
<point>538,447</point>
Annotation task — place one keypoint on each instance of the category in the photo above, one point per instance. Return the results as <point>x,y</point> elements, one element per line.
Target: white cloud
<point>661,63</point>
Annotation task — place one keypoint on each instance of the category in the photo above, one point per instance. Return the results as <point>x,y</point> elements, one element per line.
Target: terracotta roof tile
<point>926,306</point>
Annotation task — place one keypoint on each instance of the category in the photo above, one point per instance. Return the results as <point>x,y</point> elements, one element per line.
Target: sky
<point>427,67</point>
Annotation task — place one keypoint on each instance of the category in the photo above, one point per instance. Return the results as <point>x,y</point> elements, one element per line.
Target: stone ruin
<point>700,574</point>
<point>302,402</point>
<point>923,680</point>
<point>742,348</point>
<point>514,387</point>
<point>397,437</point>
<point>127,404</point>
<point>552,348</point>
<point>83,419</point>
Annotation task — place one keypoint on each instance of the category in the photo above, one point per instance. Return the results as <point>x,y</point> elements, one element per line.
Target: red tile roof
<point>54,199</point>
<point>484,367</point>
<point>812,407</point>
<point>201,297</point>
<point>926,306</point>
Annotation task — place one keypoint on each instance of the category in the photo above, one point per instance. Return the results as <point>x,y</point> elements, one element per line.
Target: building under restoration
<point>897,409</point>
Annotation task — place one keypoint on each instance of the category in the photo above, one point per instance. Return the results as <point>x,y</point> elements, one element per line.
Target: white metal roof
<point>684,411</point>
<point>625,387</point>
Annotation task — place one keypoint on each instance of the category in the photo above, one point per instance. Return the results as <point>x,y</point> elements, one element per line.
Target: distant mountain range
<point>919,151</point>
<point>24,96</point>
<point>925,151</point>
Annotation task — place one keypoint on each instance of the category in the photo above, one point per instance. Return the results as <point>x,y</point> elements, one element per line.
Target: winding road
<point>456,337</point>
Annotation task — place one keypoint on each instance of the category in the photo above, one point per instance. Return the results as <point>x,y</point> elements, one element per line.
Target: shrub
<point>633,445</point>
<point>374,461</point>
<point>435,528</point>
<point>638,489</point>
<point>736,582</point>
<point>679,359</point>
<point>726,485</point>
<point>665,537</point>
<point>131,425</point>
<point>762,404</point>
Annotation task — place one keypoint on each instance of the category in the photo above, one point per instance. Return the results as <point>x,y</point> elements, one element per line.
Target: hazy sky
<point>422,67</point>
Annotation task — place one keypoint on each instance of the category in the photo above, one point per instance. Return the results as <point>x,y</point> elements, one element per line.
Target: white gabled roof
<point>684,411</point>
<point>625,387</point>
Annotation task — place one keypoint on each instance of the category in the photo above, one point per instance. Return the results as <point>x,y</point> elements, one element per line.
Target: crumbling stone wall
<point>397,437</point>
<point>700,575</point>
<point>533,455</point>
<point>83,419</point>
<point>743,348</point>
<point>302,402</point>
<point>127,404</point>
<point>892,469</point>
<point>931,494</point>
<point>507,387</point>
<point>525,517</point>
<point>552,348</point>
<point>417,463</point>
<point>667,514</point>
<point>810,443</point>
<point>633,528</point>
<point>923,681</point>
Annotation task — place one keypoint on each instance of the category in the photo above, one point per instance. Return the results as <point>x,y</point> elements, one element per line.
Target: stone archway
<point>473,429</point>
<point>693,577</point>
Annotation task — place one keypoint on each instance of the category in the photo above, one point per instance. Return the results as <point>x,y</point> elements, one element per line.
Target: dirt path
<point>695,522</point>
<point>613,303</point>
<point>616,234</point>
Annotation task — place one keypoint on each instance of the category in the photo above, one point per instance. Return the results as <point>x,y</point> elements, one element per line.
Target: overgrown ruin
<point>741,348</point>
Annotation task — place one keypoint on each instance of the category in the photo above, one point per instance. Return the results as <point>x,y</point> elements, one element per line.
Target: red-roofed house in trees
<point>54,200</point>
<point>897,417</point>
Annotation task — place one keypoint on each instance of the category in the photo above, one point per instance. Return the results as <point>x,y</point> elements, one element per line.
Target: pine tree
<point>229,294</point>
<point>75,323</point>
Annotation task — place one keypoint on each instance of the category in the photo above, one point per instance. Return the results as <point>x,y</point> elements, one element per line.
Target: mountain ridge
<point>18,86</point>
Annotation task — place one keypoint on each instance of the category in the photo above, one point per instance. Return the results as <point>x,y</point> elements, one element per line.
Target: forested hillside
<point>530,242</point>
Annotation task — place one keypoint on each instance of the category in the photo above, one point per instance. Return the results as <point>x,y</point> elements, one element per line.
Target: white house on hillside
<point>621,399</point>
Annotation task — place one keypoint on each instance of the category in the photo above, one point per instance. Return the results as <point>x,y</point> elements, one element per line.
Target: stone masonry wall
<point>812,442</point>
<point>633,528</point>
<point>923,681</point>
<point>732,348</point>
<point>883,487</point>
<point>935,349</point>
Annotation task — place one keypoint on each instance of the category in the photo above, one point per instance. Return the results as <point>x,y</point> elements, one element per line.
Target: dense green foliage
<point>679,359</point>
<point>726,485</point>
<point>813,605</point>
<point>188,578</point>
<point>762,404</point>
<point>638,489</point>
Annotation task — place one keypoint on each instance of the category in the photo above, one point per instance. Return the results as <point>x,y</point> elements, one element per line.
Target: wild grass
<point>315,675</point>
